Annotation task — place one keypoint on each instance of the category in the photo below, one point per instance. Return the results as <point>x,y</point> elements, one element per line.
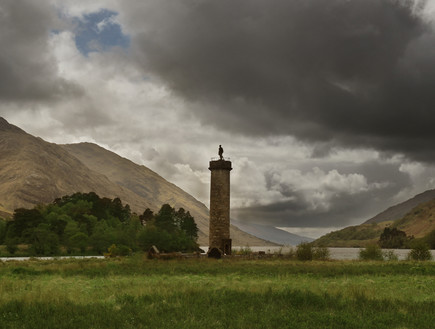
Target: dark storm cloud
<point>356,73</point>
<point>295,213</point>
<point>335,207</point>
<point>28,71</point>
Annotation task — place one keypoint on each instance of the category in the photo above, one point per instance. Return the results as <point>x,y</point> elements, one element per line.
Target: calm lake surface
<point>336,253</point>
<point>47,258</point>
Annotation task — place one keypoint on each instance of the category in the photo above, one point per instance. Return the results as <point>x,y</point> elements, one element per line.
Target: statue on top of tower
<point>221,152</point>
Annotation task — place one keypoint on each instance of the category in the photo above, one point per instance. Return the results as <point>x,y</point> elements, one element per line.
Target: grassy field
<point>229,293</point>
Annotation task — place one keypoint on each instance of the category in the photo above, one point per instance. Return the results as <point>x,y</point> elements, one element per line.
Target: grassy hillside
<point>353,236</point>
<point>5,213</point>
<point>418,223</point>
<point>399,210</point>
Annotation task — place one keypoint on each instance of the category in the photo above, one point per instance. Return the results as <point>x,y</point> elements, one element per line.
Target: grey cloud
<point>294,213</point>
<point>343,207</point>
<point>28,71</point>
<point>357,73</point>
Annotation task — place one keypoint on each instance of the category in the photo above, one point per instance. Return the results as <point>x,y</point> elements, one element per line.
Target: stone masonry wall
<point>219,203</point>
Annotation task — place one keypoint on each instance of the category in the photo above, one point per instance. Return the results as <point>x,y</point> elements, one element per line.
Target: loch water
<point>335,253</point>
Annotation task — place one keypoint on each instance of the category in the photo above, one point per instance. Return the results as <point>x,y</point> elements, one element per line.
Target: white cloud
<point>320,188</point>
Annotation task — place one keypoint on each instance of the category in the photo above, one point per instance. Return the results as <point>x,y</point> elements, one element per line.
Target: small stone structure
<point>219,230</point>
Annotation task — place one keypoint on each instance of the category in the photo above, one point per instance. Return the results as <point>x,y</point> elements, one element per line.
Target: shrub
<point>121,250</point>
<point>304,251</point>
<point>124,250</point>
<point>430,239</point>
<point>321,253</point>
<point>11,245</point>
<point>390,255</point>
<point>244,251</point>
<point>290,254</point>
<point>420,251</point>
<point>371,252</point>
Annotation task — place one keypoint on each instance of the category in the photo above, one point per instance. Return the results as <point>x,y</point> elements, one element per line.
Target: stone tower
<point>219,231</point>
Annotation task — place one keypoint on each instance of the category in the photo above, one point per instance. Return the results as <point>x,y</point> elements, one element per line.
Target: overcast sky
<point>326,108</point>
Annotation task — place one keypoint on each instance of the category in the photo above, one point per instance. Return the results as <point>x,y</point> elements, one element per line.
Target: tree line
<point>84,223</point>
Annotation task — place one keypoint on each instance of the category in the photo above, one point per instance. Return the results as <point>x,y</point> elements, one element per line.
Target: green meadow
<point>135,292</point>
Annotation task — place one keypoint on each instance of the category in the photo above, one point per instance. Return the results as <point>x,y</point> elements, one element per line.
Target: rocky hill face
<point>34,171</point>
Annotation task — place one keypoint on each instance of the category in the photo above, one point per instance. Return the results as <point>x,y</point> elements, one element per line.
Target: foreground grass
<point>202,293</point>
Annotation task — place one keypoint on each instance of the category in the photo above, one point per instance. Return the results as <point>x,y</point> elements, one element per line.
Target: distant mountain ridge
<point>34,171</point>
<point>271,233</point>
<point>399,210</point>
<point>416,217</point>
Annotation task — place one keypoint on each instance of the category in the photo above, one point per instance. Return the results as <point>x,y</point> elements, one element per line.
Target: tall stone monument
<point>219,231</point>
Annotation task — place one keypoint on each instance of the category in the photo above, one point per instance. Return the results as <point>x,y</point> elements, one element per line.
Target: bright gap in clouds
<point>99,31</point>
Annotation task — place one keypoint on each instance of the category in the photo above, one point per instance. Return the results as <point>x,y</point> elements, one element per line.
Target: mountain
<point>150,186</point>
<point>401,209</point>
<point>34,171</point>
<point>416,217</point>
<point>271,233</point>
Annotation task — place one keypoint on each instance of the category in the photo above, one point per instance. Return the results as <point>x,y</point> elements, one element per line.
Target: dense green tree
<point>88,223</point>
<point>154,236</point>
<point>129,231</point>
<point>2,230</point>
<point>165,219</point>
<point>393,238</point>
<point>71,229</point>
<point>430,239</point>
<point>170,230</point>
<point>102,238</point>
<point>23,223</point>
<point>184,243</point>
<point>11,245</point>
<point>121,212</point>
<point>79,241</point>
<point>147,216</point>
<point>57,222</point>
<point>44,241</point>
<point>187,223</point>
<point>84,220</point>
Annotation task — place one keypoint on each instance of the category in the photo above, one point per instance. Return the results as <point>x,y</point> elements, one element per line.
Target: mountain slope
<point>149,185</point>
<point>401,209</point>
<point>271,233</point>
<point>34,171</point>
<point>417,222</point>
